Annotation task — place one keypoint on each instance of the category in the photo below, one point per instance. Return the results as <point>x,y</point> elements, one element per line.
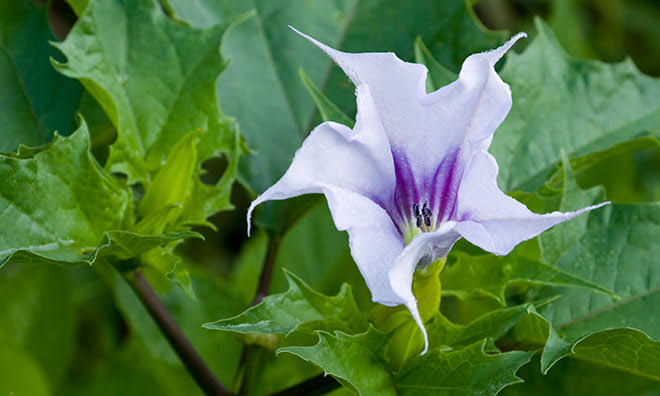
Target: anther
<point>416,210</point>
<point>427,220</point>
<point>426,211</point>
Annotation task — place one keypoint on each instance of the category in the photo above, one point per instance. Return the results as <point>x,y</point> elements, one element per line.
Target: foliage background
<point>77,331</point>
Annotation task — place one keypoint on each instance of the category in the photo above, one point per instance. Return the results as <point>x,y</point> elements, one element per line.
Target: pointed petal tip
<point>249,216</point>
<point>499,52</point>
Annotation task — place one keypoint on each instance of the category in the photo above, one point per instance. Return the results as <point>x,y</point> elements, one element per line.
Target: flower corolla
<point>414,174</point>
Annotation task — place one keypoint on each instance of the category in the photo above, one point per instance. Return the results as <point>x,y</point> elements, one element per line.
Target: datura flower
<point>414,174</point>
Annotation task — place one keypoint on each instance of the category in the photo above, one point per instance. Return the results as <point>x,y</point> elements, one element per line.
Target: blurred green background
<point>82,331</point>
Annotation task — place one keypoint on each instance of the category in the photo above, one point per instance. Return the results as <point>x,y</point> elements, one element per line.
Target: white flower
<point>414,175</point>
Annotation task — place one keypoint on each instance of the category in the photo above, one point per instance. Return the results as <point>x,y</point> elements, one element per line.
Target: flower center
<point>421,220</point>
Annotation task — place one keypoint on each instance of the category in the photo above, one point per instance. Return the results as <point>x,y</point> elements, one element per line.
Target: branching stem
<point>197,368</point>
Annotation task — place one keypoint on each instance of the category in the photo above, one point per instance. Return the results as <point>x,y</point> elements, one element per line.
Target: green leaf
<point>555,240</point>
<point>124,245</point>
<point>619,250</point>
<point>20,374</point>
<point>34,297</point>
<point>576,377</point>
<point>266,56</point>
<point>564,103</point>
<point>35,100</point>
<point>329,111</point>
<point>299,308</point>
<point>351,359</point>
<point>468,371</point>
<point>153,77</point>
<point>491,275</point>
<point>491,325</point>
<point>625,349</point>
<point>45,201</point>
<point>438,75</point>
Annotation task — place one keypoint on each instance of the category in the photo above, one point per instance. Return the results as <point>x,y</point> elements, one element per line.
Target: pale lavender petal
<point>374,240</point>
<point>467,111</point>
<point>396,87</point>
<point>424,247</point>
<point>357,160</point>
<point>490,219</point>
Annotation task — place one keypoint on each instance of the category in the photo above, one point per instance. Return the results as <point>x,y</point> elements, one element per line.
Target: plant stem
<point>177,340</point>
<point>266,276</point>
<point>318,385</point>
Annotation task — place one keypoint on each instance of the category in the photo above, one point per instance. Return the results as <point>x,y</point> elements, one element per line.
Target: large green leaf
<point>35,100</point>
<point>561,103</point>
<point>624,349</point>
<point>578,377</point>
<point>262,88</point>
<point>618,250</point>
<point>154,78</point>
<point>299,307</point>
<point>45,200</point>
<point>490,275</point>
<point>468,371</point>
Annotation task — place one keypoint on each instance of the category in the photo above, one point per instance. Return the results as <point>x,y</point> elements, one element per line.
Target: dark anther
<point>416,210</point>
<point>427,221</point>
<point>419,221</point>
<point>426,211</point>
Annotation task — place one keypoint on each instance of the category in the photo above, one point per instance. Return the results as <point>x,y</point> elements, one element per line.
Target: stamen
<point>423,216</point>
<point>426,211</point>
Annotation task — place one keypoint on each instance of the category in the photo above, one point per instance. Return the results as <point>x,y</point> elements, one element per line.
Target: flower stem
<point>266,276</point>
<point>197,368</point>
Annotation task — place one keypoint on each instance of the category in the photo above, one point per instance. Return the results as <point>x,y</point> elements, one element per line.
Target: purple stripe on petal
<point>406,192</point>
<point>444,187</point>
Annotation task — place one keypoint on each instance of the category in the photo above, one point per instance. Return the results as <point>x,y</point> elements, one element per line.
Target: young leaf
<point>298,308</point>
<point>58,203</point>
<point>36,100</point>
<point>329,111</point>
<point>468,371</point>
<point>438,76</point>
<point>490,275</point>
<point>154,78</point>
<point>491,325</point>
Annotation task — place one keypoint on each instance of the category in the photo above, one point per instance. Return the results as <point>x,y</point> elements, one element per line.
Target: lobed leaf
<point>298,308</point>
<point>562,103</point>
<point>151,76</point>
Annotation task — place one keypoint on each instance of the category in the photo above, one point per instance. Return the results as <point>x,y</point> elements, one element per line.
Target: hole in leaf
<point>214,168</point>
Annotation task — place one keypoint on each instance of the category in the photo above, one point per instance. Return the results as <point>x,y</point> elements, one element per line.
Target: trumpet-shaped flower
<point>414,174</point>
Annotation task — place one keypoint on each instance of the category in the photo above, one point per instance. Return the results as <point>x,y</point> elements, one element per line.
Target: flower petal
<point>472,107</point>
<point>492,220</point>
<point>358,160</point>
<point>427,246</point>
<point>374,240</point>
<point>396,87</point>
